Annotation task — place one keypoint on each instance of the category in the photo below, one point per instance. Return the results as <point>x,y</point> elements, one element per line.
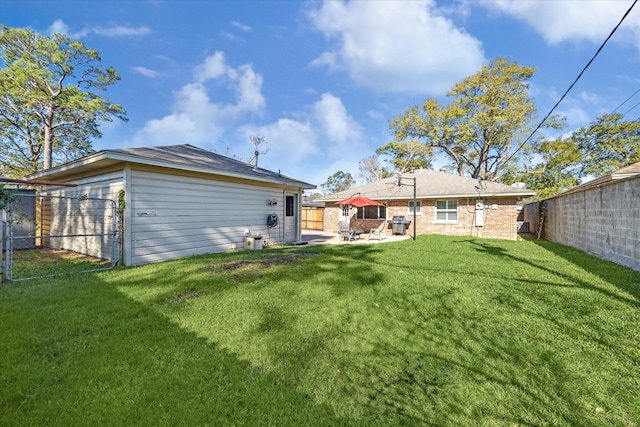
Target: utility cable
<point>629,110</point>
<point>572,84</point>
<point>625,101</point>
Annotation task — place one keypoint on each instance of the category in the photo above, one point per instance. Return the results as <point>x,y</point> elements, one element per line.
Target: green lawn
<point>439,331</point>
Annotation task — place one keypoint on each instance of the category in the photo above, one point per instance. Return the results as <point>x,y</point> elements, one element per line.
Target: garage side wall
<point>173,216</point>
<point>604,221</point>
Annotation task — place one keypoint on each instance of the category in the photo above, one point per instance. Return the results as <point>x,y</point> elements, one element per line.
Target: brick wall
<point>604,221</point>
<point>500,218</point>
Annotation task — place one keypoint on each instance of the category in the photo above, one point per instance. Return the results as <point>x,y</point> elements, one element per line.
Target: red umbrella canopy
<point>359,201</point>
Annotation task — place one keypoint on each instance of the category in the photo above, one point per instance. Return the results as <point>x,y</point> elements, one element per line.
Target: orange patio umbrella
<point>358,200</point>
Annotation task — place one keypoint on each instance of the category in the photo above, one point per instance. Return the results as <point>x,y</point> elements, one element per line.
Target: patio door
<point>344,213</point>
<point>291,218</point>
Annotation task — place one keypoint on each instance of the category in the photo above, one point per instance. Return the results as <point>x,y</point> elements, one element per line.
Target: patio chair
<point>347,233</point>
<point>377,231</point>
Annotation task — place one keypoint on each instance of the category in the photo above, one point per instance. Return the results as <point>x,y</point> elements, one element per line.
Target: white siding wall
<point>172,216</point>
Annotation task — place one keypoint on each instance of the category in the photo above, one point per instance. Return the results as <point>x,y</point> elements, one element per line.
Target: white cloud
<point>571,20</point>
<point>342,130</point>
<point>121,31</point>
<point>401,46</point>
<point>245,82</point>
<point>310,146</point>
<point>589,97</point>
<point>196,118</point>
<point>313,147</point>
<point>147,72</point>
<point>60,27</point>
<point>576,116</point>
<point>227,35</point>
<point>214,66</point>
<point>290,142</point>
<point>241,27</point>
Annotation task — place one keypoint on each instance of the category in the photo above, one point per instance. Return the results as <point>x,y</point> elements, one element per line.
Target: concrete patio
<point>315,237</point>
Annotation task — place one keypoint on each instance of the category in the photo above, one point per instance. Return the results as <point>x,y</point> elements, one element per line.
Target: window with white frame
<point>418,207</point>
<point>371,212</point>
<point>447,210</point>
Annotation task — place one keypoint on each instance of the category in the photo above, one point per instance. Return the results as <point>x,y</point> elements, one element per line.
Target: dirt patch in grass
<point>48,255</point>
<point>280,260</point>
<point>251,269</point>
<point>44,262</point>
<point>241,269</point>
<point>182,297</point>
<point>262,263</point>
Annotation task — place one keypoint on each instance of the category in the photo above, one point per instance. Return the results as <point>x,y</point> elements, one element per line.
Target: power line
<point>625,101</point>
<point>572,84</point>
<point>629,110</point>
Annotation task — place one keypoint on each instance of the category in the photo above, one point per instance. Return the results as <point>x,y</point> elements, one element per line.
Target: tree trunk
<point>48,140</point>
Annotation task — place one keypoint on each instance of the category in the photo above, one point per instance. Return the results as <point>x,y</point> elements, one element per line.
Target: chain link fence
<point>45,236</point>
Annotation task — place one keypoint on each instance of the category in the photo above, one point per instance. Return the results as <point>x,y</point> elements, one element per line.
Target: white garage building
<point>181,200</point>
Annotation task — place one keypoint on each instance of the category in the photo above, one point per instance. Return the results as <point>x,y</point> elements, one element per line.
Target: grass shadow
<point>623,278</point>
<point>432,332</point>
<point>80,352</point>
<point>424,389</point>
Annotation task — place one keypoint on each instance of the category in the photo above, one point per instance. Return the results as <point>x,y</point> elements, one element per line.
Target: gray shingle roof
<point>190,155</point>
<point>429,184</point>
<point>185,156</point>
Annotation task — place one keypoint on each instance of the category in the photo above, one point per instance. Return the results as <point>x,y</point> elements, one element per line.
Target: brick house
<point>445,204</point>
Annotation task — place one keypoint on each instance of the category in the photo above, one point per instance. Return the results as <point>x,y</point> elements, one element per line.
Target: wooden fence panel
<point>312,218</point>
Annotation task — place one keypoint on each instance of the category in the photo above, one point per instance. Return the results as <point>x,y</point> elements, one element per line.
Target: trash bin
<point>253,243</point>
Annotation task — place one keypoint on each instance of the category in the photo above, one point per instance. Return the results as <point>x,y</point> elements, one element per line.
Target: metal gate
<point>45,236</point>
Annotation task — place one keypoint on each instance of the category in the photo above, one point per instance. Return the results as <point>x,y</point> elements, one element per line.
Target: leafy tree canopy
<point>607,144</point>
<point>408,155</point>
<point>337,182</point>
<point>557,169</point>
<point>604,146</point>
<point>50,103</point>
<point>483,128</point>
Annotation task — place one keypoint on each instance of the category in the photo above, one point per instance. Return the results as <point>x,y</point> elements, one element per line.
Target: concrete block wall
<point>603,221</point>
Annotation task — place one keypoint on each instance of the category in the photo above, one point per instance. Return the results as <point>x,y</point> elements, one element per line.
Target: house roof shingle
<point>185,157</point>
<point>429,184</point>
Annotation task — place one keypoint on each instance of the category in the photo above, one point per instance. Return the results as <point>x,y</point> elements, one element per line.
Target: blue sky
<point>322,80</point>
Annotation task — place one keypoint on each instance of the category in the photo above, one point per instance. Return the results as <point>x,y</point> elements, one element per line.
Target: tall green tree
<point>482,129</point>
<point>557,170</point>
<point>50,100</point>
<point>408,155</point>
<point>337,182</point>
<point>608,144</point>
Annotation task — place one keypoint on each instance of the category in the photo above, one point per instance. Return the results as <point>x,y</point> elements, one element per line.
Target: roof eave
<point>440,196</point>
<point>129,158</point>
